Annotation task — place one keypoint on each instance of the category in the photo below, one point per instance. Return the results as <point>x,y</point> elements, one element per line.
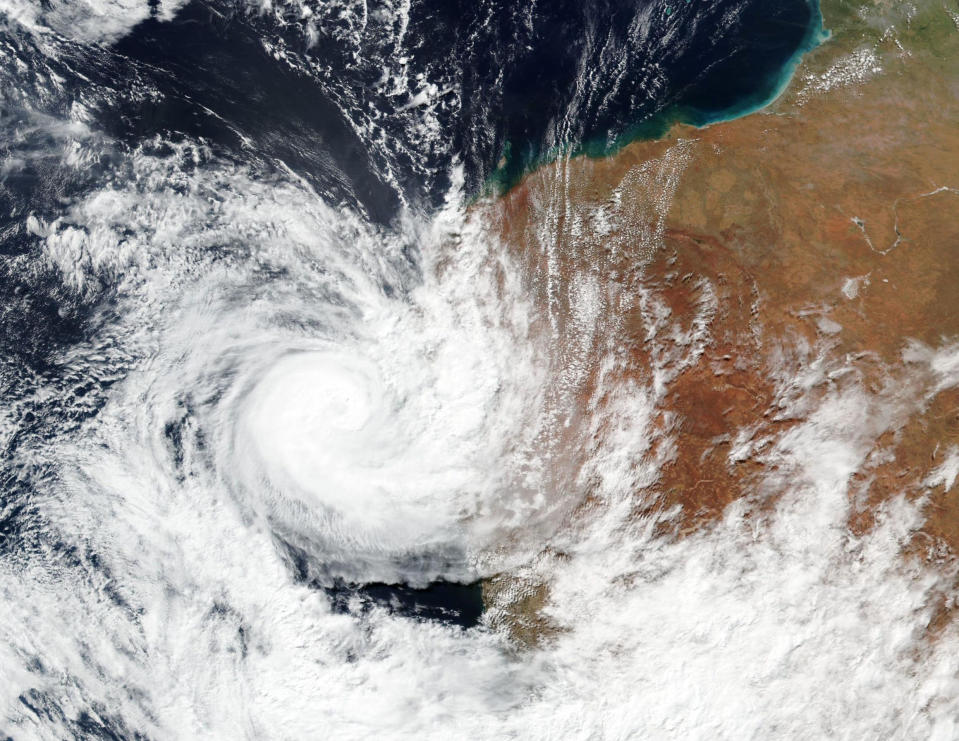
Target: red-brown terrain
<point>815,239</point>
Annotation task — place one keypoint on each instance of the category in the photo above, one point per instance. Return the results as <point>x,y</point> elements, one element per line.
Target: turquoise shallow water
<point>735,87</point>
<point>773,86</point>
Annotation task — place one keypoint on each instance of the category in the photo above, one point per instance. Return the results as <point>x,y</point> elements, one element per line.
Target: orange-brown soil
<point>826,226</point>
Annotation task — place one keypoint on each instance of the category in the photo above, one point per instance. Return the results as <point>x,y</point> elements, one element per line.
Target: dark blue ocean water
<point>374,111</point>
<point>513,79</point>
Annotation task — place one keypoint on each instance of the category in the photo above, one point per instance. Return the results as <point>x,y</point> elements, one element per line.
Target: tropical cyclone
<point>688,410</point>
<point>799,253</point>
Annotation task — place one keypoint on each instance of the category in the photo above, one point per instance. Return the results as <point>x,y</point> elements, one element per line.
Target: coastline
<point>657,126</point>
<point>819,238</point>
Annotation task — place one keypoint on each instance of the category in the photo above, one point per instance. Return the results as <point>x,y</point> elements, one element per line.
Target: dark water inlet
<point>442,601</point>
<point>452,603</point>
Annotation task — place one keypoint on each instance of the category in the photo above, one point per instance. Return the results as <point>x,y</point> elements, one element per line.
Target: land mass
<point>815,239</point>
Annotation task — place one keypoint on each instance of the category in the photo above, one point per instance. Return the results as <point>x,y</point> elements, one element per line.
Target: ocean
<point>296,445</point>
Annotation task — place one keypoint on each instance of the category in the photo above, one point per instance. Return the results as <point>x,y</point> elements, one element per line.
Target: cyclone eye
<point>375,463</point>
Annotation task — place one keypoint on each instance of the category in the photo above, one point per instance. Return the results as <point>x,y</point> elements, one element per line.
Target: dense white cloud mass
<point>288,398</point>
<point>295,379</point>
<point>86,20</point>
